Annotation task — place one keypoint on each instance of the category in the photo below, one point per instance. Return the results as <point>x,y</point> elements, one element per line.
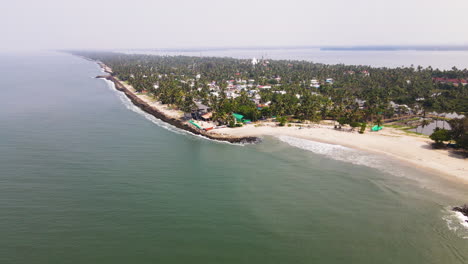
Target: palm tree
<point>220,117</point>
<point>425,122</point>
<point>379,121</point>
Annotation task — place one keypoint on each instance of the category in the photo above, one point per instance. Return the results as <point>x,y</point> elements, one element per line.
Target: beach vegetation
<point>459,132</point>
<point>296,90</point>
<point>439,136</point>
<point>363,128</point>
<point>281,120</point>
<point>354,125</point>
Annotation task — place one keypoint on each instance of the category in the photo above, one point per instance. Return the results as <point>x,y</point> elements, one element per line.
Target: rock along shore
<point>173,121</point>
<point>462,209</point>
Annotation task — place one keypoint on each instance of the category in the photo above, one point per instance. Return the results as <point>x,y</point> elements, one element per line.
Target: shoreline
<point>413,150</point>
<point>179,123</point>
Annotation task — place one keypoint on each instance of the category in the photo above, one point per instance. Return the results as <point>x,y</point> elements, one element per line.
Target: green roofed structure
<point>238,117</point>
<point>195,124</point>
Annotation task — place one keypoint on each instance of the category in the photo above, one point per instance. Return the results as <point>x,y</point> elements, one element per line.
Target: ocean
<point>86,177</point>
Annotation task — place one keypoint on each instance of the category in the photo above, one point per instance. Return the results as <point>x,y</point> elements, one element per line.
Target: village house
<point>232,94</point>
<point>199,110</point>
<point>240,87</point>
<point>401,108</point>
<point>314,83</point>
<point>454,82</point>
<point>360,103</point>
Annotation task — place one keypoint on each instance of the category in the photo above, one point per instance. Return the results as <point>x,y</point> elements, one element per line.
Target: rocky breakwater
<point>173,121</point>
<point>462,209</point>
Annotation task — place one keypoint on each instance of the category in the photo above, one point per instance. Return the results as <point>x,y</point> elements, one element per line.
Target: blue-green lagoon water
<point>85,177</point>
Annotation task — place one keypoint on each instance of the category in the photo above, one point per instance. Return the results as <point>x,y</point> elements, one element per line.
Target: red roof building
<point>451,81</point>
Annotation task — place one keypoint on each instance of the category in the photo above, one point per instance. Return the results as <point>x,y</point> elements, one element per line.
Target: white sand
<point>165,109</point>
<point>415,150</point>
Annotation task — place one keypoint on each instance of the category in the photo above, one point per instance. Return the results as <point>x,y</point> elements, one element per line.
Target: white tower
<point>254,61</point>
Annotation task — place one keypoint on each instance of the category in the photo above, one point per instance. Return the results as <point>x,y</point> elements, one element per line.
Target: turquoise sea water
<point>87,178</point>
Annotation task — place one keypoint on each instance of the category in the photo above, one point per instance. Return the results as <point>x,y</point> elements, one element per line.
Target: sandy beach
<point>413,149</point>
<point>165,109</point>
<point>165,112</point>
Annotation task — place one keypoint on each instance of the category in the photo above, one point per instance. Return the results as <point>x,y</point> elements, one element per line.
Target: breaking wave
<point>456,222</point>
<point>345,154</point>
<point>129,105</point>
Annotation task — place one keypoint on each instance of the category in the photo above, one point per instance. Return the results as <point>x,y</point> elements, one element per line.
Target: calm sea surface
<point>85,177</point>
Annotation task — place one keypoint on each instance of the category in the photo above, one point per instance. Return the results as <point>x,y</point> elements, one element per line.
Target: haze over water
<point>443,60</point>
<point>85,177</point>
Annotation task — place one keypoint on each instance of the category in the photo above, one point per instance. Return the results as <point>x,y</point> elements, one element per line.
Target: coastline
<point>413,150</point>
<point>159,113</point>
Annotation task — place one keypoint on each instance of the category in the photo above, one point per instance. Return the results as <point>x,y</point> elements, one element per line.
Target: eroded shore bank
<point>179,123</point>
<point>411,149</point>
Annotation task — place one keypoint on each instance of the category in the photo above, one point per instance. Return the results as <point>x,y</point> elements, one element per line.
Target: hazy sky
<point>183,23</point>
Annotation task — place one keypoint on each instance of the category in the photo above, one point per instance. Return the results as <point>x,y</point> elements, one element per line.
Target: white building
<point>314,83</point>
<point>281,92</point>
<point>254,61</point>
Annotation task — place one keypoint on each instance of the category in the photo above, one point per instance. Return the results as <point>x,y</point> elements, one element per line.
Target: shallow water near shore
<point>86,178</point>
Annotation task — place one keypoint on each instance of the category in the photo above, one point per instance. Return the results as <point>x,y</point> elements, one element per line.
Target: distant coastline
<point>323,48</point>
<point>395,48</point>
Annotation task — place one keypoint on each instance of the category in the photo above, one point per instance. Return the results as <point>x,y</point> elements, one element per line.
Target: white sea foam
<point>129,105</point>
<point>345,154</point>
<point>456,222</point>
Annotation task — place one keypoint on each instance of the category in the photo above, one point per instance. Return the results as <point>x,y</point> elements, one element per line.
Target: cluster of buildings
<point>316,84</point>
<point>363,73</point>
<point>202,115</point>
<point>399,109</point>
<point>234,87</point>
<point>455,82</point>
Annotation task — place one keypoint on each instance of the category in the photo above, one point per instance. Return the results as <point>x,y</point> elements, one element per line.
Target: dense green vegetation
<point>358,94</point>
<point>458,133</point>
